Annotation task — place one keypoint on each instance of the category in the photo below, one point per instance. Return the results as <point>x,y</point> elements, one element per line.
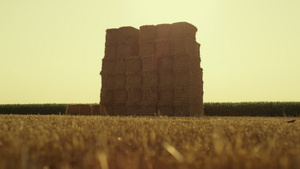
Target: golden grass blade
<point>175,153</point>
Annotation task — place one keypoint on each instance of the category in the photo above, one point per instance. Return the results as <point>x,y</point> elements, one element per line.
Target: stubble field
<point>59,141</point>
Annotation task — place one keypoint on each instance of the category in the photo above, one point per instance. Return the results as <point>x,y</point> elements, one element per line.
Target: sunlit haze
<point>51,51</point>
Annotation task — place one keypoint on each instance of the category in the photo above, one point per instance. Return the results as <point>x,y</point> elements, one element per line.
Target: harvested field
<point>53,141</point>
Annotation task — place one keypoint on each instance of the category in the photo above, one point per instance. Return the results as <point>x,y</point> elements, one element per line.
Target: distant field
<point>57,141</point>
<point>270,109</point>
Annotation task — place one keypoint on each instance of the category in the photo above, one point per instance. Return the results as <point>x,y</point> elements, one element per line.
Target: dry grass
<point>65,142</point>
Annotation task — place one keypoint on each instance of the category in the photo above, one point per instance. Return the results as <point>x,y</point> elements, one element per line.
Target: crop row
<point>268,109</point>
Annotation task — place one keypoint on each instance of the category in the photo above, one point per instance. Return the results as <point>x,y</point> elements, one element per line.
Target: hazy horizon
<point>51,51</point>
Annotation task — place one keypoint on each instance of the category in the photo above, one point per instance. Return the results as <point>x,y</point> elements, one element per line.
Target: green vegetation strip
<point>268,109</point>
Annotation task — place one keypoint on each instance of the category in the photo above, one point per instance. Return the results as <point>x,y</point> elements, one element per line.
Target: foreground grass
<point>66,142</point>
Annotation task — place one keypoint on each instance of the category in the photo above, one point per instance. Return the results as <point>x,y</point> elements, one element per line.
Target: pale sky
<point>51,51</point>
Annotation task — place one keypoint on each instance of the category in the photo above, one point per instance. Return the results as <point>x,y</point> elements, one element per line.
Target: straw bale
<point>125,50</point>
<point>149,63</point>
<point>150,94</point>
<point>106,109</point>
<point>187,109</point>
<point>95,109</point>
<point>147,48</point>
<point>184,45</point>
<point>79,109</point>
<point>147,33</point>
<point>110,51</point>
<point>182,29</point>
<point>166,78</point>
<point>165,94</point>
<point>133,64</point>
<point>107,81</point>
<point>120,66</point>
<point>120,95</point>
<point>166,109</point>
<point>128,35</point>
<point>133,80</point>
<point>163,31</point>
<point>187,77</point>
<point>120,109</point>
<point>192,94</point>
<point>162,46</point>
<point>134,94</point>
<point>150,78</point>
<point>133,108</point>
<point>119,80</point>
<point>148,109</point>
<point>165,62</point>
<point>111,37</point>
<point>184,60</point>
<point>182,94</point>
<point>107,95</point>
<point>108,65</point>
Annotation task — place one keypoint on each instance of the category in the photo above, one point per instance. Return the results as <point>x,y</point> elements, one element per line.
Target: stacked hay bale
<point>134,79</point>
<point>127,47</point>
<point>108,68</point>
<point>188,85</point>
<point>156,68</point>
<point>120,45</point>
<point>149,70</point>
<point>165,67</point>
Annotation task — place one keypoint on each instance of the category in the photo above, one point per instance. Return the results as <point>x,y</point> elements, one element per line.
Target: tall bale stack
<point>128,49</point>
<point>165,75</point>
<point>107,72</point>
<point>188,85</point>
<point>149,70</point>
<point>156,68</point>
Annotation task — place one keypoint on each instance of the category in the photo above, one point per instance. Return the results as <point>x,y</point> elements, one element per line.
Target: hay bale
<point>187,77</point>
<point>182,94</point>
<point>120,109</point>
<point>107,80</point>
<point>166,62</point>
<point>165,94</point>
<point>79,109</point>
<point>150,94</point>
<point>120,95</point>
<point>133,64</point>
<point>106,109</point>
<point>166,78</point>
<point>120,66</point>
<point>107,95</point>
<point>133,80</point>
<point>162,46</point>
<point>108,65</point>
<point>182,30</point>
<point>184,61</point>
<point>163,31</point>
<point>125,50</point>
<point>147,48</point>
<point>134,94</point>
<point>111,37</point>
<point>184,45</point>
<point>150,78</point>
<point>166,109</point>
<point>148,109</point>
<point>147,33</point>
<point>96,109</point>
<point>128,35</point>
<point>133,108</point>
<point>110,51</point>
<point>119,80</point>
<point>150,63</point>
